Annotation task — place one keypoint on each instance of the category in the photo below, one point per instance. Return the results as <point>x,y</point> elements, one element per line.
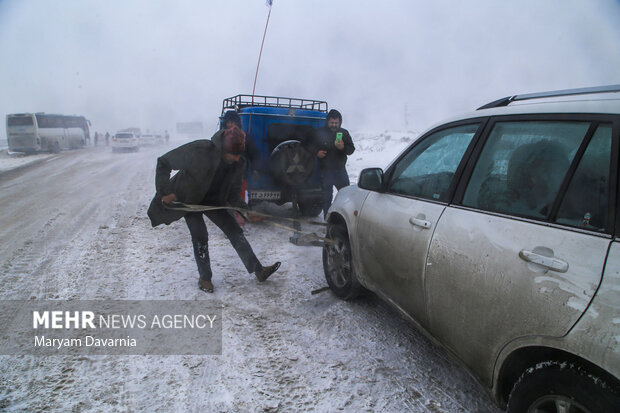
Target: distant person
<point>166,136</point>
<point>107,138</point>
<point>210,173</point>
<point>96,138</point>
<point>332,144</point>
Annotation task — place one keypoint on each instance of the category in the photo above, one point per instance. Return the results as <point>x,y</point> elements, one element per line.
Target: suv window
<point>427,170</point>
<point>522,166</point>
<point>585,204</point>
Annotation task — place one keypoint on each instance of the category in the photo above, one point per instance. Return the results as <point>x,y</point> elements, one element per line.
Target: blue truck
<point>280,168</point>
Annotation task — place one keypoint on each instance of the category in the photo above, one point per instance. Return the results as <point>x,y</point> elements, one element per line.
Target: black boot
<point>201,254</point>
<point>264,272</point>
<point>205,285</point>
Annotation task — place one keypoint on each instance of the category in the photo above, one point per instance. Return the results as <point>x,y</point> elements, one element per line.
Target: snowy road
<point>75,227</point>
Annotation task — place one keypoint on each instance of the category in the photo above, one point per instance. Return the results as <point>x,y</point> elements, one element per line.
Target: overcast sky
<point>154,63</point>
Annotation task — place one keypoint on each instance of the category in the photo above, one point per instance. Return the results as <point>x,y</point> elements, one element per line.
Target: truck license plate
<point>265,195</point>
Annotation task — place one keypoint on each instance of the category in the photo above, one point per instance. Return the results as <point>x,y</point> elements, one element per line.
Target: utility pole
<point>406,118</point>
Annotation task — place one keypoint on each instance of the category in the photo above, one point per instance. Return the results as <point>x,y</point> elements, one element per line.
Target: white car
<point>498,234</point>
<point>147,139</point>
<point>125,141</point>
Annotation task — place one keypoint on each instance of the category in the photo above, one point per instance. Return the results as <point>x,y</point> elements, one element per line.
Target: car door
<point>523,253</point>
<point>395,226</point>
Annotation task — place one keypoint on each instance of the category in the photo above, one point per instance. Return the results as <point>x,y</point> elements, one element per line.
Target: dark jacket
<point>197,163</point>
<point>324,140</point>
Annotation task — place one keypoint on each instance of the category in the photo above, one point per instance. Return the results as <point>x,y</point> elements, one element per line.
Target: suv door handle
<point>552,263</point>
<point>420,222</point>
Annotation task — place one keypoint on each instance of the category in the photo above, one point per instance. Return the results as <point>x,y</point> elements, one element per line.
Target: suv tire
<point>290,164</point>
<point>554,386</point>
<point>338,265</point>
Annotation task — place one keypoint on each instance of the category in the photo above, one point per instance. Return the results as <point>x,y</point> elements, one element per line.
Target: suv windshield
<point>124,135</point>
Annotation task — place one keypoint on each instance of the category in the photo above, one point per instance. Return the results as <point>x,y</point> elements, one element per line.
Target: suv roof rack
<point>244,101</point>
<point>566,92</point>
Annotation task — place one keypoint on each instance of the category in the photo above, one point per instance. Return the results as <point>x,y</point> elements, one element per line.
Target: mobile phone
<point>338,137</point>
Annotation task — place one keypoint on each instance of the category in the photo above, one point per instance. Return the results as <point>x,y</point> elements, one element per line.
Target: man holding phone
<point>332,144</point>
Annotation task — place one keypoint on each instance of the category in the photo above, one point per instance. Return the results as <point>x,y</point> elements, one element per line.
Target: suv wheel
<point>338,264</point>
<point>291,164</point>
<point>561,387</point>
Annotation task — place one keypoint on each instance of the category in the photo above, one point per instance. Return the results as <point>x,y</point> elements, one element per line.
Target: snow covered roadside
<point>283,348</point>
<point>11,161</point>
<point>376,149</point>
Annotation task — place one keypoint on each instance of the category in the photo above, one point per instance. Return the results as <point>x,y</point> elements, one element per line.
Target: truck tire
<point>290,164</point>
<point>310,208</point>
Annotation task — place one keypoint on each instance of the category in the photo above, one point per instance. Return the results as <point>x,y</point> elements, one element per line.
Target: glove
<point>168,198</point>
<point>254,218</point>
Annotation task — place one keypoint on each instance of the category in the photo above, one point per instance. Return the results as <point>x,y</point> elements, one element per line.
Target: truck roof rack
<point>566,92</point>
<point>244,101</point>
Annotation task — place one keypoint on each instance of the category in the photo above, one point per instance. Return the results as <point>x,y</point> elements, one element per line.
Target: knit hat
<point>334,114</point>
<point>233,141</point>
<point>231,116</point>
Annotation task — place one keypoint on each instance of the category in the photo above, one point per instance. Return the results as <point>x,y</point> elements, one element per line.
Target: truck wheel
<point>338,264</point>
<point>555,387</point>
<point>290,164</point>
<point>55,147</point>
<point>310,208</point>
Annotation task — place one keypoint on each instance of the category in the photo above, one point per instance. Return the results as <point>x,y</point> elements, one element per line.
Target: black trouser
<point>200,240</point>
<point>330,178</point>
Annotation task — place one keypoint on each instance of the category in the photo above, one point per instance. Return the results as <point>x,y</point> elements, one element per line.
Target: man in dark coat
<point>210,173</point>
<point>332,144</point>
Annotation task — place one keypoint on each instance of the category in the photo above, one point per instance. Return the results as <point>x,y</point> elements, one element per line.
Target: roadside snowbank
<point>376,149</point>
<point>14,160</point>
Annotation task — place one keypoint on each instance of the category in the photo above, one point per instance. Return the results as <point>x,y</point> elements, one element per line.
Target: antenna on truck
<point>269,4</point>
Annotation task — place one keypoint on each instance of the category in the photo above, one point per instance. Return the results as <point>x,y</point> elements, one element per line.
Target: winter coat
<point>323,139</point>
<point>197,163</point>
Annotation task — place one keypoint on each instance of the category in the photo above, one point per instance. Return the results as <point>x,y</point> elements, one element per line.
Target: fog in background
<point>390,64</point>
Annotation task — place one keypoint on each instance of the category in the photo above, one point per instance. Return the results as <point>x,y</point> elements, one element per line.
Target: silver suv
<point>125,141</point>
<point>496,233</point>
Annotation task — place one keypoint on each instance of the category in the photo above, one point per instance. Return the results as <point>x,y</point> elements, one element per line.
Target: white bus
<point>34,132</point>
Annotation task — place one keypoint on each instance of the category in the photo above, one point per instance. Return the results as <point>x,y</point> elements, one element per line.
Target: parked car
<point>282,169</point>
<point>125,141</point>
<point>497,234</point>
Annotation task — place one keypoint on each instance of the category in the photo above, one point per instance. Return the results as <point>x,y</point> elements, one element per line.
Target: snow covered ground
<point>13,161</point>
<point>76,228</point>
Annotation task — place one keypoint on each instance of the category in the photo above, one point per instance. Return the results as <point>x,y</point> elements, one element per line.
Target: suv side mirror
<point>371,179</point>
